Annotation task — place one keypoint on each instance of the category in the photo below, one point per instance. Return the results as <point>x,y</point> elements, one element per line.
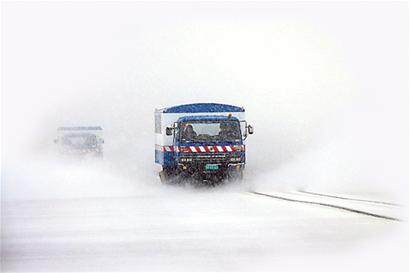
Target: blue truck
<point>205,141</point>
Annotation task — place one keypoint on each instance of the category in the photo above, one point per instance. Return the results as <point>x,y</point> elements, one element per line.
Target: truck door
<point>175,141</point>
<point>243,129</point>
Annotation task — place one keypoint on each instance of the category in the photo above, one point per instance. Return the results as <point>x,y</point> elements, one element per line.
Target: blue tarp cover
<point>212,118</point>
<point>203,108</point>
<point>79,128</point>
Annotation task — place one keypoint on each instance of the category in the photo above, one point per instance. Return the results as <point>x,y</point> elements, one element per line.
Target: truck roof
<point>79,128</point>
<point>201,108</point>
<point>194,118</point>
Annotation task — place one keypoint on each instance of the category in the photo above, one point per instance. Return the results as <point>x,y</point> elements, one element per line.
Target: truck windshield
<point>79,141</point>
<point>209,131</point>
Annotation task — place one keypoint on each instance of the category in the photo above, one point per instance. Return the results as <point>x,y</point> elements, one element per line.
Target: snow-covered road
<point>183,228</point>
<point>325,86</point>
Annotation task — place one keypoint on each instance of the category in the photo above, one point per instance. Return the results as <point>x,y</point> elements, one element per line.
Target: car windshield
<point>79,141</point>
<point>210,131</point>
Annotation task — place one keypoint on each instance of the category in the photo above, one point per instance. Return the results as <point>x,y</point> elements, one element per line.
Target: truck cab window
<point>210,131</point>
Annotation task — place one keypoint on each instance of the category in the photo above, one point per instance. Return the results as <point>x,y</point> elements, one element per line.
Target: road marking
<point>348,198</point>
<point>327,205</point>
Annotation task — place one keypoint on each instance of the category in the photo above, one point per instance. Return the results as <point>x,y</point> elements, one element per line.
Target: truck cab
<point>205,141</point>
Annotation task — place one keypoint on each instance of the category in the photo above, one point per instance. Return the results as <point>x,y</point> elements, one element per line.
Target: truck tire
<point>240,175</point>
<point>235,175</point>
<point>167,175</point>
<point>163,177</point>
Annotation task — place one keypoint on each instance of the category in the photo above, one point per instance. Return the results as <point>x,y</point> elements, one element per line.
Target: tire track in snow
<point>327,205</point>
<point>348,198</point>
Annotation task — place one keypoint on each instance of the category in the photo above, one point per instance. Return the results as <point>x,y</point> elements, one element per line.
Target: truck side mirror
<point>250,129</point>
<point>168,131</point>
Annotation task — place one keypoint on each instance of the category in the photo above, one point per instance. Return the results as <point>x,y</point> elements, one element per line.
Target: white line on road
<point>326,205</point>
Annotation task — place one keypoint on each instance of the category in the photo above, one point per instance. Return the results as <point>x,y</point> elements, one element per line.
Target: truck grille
<point>209,158</point>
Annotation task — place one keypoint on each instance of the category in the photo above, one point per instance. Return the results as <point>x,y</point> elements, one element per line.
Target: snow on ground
<point>200,232</point>
<point>329,106</point>
<point>180,229</point>
<point>69,215</point>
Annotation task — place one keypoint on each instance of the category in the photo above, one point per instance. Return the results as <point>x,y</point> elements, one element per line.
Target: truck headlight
<point>185,159</point>
<point>235,159</point>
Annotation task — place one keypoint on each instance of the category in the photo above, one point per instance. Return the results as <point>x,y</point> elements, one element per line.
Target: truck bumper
<point>200,171</point>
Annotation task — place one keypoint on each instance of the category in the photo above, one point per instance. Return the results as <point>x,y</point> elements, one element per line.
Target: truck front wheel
<point>167,174</point>
<point>235,175</point>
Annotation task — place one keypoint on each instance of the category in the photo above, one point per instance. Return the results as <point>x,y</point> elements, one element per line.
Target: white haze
<point>324,84</point>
